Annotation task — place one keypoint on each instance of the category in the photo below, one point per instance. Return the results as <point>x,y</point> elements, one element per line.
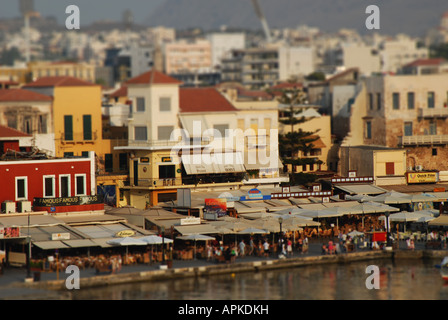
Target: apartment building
<point>187,56</point>
<point>404,111</point>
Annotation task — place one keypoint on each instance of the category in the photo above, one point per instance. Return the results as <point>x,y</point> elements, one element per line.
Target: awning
<point>364,189</point>
<point>440,221</point>
<point>80,243</point>
<point>193,229</point>
<point>102,242</point>
<point>35,221</point>
<point>48,245</point>
<point>228,162</point>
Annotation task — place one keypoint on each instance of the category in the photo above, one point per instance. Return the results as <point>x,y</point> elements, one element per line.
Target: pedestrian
<point>305,245</point>
<point>266,248</point>
<point>289,247</point>
<point>242,246</point>
<point>251,246</point>
<point>300,246</point>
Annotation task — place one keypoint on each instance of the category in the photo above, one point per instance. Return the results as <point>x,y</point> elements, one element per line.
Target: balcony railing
<point>433,113</point>
<point>158,183</point>
<point>424,140</point>
<point>79,137</point>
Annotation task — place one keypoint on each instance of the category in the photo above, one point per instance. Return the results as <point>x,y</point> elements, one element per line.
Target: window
<point>432,127</point>
<point>378,101</point>
<point>434,151</point>
<point>68,128</point>
<point>108,162</point>
<point>368,130</point>
<point>141,133</point>
<point>390,168</point>
<point>223,129</point>
<point>165,104</point>
<point>80,184</point>
<point>49,187</point>
<point>85,154</point>
<point>164,132</point>
<point>140,104</point>
<point>167,172</point>
<point>371,101</point>
<point>411,100</point>
<point>42,124</point>
<point>431,100</point>
<point>68,154</point>
<point>123,161</point>
<point>396,101</point>
<point>408,129</point>
<point>64,186</point>
<point>87,126</point>
<point>21,188</point>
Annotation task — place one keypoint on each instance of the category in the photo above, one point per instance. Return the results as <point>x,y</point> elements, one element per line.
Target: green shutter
<point>87,123</point>
<point>68,128</point>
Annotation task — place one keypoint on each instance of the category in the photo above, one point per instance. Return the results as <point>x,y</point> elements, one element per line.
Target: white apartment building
<point>222,43</point>
<point>295,61</point>
<point>187,56</point>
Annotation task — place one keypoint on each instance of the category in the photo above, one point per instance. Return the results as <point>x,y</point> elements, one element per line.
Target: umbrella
<point>321,213</point>
<point>393,197</point>
<point>153,239</point>
<point>126,241</point>
<point>196,237</point>
<point>253,231</point>
<point>355,233</point>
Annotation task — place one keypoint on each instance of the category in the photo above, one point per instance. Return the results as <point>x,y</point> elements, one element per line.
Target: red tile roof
<point>203,100</point>
<point>155,76</point>
<point>121,92</point>
<point>426,62</point>
<point>61,81</point>
<point>12,95</point>
<point>7,132</point>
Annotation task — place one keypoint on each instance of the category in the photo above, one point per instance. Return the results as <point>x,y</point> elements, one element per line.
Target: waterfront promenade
<point>13,286</point>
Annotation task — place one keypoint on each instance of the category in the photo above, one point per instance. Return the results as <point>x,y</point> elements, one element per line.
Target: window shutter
<point>87,126</point>
<point>68,128</point>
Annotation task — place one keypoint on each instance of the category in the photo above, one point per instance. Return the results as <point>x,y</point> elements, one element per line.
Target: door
<point>135,172</point>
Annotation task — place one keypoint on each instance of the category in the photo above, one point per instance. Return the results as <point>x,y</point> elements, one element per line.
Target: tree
<point>439,51</point>
<point>8,56</point>
<point>296,140</point>
<point>316,76</point>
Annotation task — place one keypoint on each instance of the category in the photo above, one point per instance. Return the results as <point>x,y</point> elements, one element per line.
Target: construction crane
<point>263,21</point>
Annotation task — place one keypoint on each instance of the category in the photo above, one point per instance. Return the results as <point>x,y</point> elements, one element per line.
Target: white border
<point>54,186</point>
<point>69,184</point>
<point>76,184</point>
<point>26,188</point>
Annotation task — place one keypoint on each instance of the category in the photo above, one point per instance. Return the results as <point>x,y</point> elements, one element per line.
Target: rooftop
<point>203,100</point>
<point>153,77</point>
<point>7,132</point>
<point>20,95</point>
<point>59,81</point>
<point>426,62</point>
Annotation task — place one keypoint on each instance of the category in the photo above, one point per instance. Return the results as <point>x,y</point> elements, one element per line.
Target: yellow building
<point>83,71</point>
<point>77,119</point>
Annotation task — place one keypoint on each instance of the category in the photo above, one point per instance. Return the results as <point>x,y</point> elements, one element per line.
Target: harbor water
<point>414,279</point>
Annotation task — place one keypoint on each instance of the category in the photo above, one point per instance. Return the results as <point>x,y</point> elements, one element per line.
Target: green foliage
<point>439,51</point>
<point>302,178</point>
<point>8,56</point>
<point>316,76</point>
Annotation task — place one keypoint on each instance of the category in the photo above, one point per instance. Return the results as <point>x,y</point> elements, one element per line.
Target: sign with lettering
<point>144,160</point>
<point>70,201</point>
<point>60,236</point>
<point>254,194</point>
<point>166,159</point>
<point>190,221</point>
<point>125,233</point>
<point>422,177</point>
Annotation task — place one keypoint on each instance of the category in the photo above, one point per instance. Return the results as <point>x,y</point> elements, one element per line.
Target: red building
<point>52,185</point>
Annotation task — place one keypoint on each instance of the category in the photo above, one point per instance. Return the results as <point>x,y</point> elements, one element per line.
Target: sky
<point>90,10</point>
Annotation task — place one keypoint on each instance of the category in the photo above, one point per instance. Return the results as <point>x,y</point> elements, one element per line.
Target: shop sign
<point>144,160</point>
<point>422,177</point>
<point>60,236</point>
<point>166,159</point>
<point>12,232</point>
<point>254,194</point>
<point>190,221</point>
<point>218,206</point>
<point>125,233</point>
<point>70,201</point>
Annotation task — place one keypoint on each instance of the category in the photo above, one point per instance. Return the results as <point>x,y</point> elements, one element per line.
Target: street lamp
<point>388,244</point>
<point>163,245</point>
<point>280,221</point>
<point>28,256</point>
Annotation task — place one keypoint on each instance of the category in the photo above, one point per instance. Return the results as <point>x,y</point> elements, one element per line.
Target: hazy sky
<point>90,10</point>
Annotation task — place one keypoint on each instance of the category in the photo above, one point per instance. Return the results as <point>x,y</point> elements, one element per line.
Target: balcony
<point>79,138</point>
<point>433,113</point>
<point>159,183</point>
<point>423,140</point>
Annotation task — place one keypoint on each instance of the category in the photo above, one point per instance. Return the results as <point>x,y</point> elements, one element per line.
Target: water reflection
<point>402,280</point>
